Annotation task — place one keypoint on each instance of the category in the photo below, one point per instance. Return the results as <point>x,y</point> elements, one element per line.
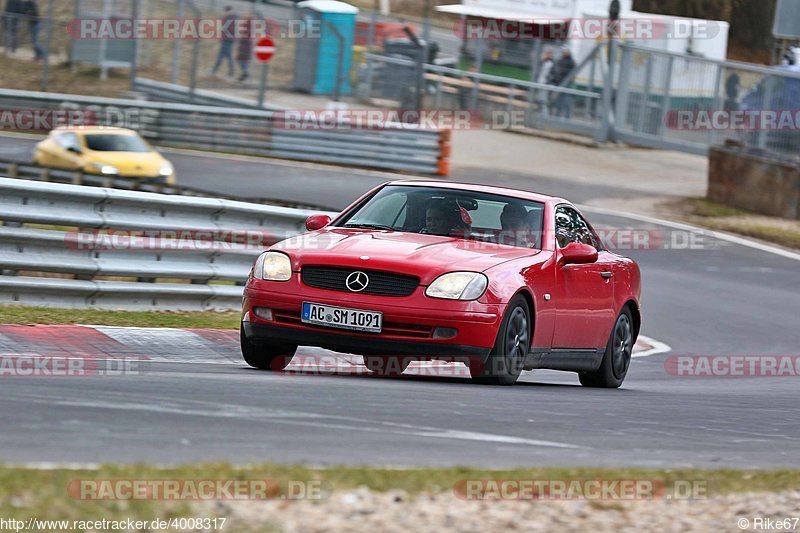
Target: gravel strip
<point>364,510</point>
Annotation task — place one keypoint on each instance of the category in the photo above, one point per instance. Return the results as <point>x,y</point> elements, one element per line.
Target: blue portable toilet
<point>317,53</point>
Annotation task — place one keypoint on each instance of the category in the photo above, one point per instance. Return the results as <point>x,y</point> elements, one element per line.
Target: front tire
<point>513,343</point>
<point>617,358</point>
<point>266,356</point>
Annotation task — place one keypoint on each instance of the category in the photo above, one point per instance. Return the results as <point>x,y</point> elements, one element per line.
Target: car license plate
<point>339,317</point>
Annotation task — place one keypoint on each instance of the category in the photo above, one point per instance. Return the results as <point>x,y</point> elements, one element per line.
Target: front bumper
<point>410,324</point>
<point>156,180</point>
<point>362,345</point>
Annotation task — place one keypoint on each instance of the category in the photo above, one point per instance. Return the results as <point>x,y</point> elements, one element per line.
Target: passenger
<point>533,228</point>
<point>512,223</point>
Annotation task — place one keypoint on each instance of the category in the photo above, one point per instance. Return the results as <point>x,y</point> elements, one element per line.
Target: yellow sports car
<point>105,152</point>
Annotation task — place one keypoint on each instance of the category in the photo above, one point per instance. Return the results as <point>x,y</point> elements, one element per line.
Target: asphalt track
<point>720,298</point>
<point>329,187</point>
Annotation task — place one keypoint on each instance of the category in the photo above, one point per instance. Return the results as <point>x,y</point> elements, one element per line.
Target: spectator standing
<point>244,52</point>
<point>732,86</point>
<point>546,65</point>
<point>12,16</point>
<point>227,40</point>
<point>31,13</point>
<point>561,71</point>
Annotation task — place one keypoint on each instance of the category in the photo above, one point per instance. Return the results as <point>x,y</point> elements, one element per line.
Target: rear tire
<point>386,366</point>
<point>513,343</point>
<point>617,358</point>
<point>266,356</point>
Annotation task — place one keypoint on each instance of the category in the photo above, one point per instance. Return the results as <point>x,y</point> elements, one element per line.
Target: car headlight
<point>458,286</point>
<point>166,170</point>
<point>107,170</point>
<point>273,266</point>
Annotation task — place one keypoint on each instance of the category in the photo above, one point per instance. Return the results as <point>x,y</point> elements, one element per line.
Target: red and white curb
<point>196,346</point>
<point>645,347</point>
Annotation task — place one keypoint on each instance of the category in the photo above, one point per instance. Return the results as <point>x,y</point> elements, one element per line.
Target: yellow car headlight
<point>106,170</point>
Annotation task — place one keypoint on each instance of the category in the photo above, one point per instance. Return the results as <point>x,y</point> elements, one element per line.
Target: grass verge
<point>47,494</point>
<point>715,216</point>
<point>13,314</point>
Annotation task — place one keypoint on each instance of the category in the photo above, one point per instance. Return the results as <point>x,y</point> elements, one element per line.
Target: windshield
<point>116,143</point>
<point>453,213</point>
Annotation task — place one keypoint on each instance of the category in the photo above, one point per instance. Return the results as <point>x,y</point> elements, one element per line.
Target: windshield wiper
<point>369,226</point>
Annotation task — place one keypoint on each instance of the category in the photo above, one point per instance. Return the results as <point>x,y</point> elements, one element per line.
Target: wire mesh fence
<point>675,100</point>
<point>494,101</point>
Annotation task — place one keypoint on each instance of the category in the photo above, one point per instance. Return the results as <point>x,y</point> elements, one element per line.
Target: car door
<point>583,294</point>
<point>66,153</point>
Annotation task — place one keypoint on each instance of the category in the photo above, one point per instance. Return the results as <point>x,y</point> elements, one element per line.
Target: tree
<point>751,21</point>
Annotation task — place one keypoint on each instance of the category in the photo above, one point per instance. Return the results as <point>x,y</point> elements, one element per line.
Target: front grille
<point>380,283</point>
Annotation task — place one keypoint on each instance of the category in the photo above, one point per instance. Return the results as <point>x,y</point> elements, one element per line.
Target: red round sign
<point>265,49</point>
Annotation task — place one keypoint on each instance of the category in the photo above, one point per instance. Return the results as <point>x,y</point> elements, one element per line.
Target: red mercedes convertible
<point>499,279</point>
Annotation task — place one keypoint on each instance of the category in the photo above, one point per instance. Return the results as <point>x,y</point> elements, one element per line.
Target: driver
<point>437,221</point>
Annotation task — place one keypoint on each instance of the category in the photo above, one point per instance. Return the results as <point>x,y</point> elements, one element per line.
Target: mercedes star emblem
<point>357,281</point>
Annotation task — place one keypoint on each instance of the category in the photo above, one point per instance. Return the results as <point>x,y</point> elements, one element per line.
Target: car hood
<point>424,256</point>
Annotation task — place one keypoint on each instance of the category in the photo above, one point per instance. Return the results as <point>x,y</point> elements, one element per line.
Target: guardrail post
<point>77,178</point>
<point>45,175</point>
<point>443,165</point>
<point>13,170</point>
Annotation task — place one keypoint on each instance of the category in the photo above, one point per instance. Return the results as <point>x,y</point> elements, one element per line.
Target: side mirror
<point>315,222</point>
<point>576,253</point>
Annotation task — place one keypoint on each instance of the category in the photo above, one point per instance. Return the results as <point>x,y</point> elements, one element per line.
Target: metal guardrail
<point>11,168</point>
<point>255,132</point>
<point>113,249</point>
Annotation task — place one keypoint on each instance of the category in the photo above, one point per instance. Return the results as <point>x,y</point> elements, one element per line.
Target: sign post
<point>264,50</point>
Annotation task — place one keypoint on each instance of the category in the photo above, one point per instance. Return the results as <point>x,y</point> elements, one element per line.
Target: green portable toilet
<point>319,51</point>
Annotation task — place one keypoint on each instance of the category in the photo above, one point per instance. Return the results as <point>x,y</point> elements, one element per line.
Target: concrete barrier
<point>754,180</point>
